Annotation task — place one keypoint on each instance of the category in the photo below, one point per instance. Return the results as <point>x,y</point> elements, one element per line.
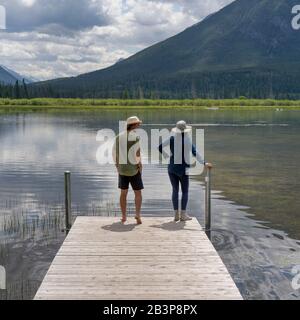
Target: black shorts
<point>136,182</point>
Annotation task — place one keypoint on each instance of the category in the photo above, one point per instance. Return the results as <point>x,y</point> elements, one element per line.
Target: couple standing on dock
<point>128,161</point>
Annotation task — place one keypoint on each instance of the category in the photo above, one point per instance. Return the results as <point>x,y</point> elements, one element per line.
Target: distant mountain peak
<point>247,48</point>
<point>8,76</point>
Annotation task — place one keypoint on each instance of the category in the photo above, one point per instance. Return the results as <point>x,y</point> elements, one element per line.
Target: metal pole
<point>208,202</point>
<point>68,200</point>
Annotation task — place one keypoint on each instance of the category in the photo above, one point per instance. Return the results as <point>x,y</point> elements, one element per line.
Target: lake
<point>256,185</point>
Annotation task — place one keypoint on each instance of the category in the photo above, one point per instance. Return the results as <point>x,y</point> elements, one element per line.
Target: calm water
<point>256,203</point>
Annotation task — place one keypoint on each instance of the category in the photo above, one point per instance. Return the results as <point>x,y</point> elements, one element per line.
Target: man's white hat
<point>133,120</point>
<point>181,127</point>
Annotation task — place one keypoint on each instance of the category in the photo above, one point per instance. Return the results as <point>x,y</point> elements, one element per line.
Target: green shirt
<point>126,147</point>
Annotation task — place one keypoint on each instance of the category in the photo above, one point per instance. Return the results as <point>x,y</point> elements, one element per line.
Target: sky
<point>48,39</point>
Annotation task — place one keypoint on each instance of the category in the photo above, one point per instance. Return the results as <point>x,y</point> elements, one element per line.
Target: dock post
<point>208,203</point>
<point>68,200</point>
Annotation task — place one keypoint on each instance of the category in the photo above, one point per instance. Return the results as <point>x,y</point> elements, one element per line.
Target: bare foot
<point>138,220</point>
<point>123,220</point>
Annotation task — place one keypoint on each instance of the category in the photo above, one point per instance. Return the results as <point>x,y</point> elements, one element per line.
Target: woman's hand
<point>208,165</point>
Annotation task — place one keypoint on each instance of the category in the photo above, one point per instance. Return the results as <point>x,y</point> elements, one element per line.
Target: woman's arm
<point>199,157</point>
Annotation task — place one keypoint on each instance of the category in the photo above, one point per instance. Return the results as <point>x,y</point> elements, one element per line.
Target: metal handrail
<point>208,202</point>
<point>68,201</point>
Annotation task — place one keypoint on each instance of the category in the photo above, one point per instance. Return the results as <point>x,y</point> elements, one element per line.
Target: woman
<point>180,144</point>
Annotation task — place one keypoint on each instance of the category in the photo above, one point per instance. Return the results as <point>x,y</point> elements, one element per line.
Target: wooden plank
<point>102,259</point>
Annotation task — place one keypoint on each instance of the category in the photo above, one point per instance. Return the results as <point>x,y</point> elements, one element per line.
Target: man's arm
<point>139,155</point>
<point>139,159</point>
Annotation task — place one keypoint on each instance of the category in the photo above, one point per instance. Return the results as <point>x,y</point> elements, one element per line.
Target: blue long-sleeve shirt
<point>179,162</point>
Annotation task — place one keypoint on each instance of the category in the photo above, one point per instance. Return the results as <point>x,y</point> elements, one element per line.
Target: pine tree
<point>17,90</point>
<point>25,90</point>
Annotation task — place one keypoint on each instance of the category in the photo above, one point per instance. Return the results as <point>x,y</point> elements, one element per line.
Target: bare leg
<point>138,205</point>
<point>123,204</point>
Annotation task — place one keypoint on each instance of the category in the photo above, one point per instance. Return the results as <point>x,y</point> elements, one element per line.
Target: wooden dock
<point>104,260</point>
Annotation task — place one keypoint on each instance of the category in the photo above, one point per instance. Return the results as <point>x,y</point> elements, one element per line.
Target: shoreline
<point>33,109</point>
<point>45,104</point>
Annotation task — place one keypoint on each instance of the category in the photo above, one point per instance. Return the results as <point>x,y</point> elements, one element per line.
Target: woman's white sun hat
<point>181,127</point>
<point>133,120</point>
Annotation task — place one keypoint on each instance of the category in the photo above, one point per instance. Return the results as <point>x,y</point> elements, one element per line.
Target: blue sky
<point>56,38</point>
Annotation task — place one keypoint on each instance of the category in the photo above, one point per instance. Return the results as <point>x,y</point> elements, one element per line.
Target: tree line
<point>222,85</point>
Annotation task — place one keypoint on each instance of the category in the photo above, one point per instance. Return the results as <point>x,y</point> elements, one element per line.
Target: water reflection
<point>258,197</point>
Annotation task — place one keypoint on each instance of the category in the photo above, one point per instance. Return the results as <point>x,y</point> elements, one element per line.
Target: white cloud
<point>45,15</point>
<point>28,3</point>
<point>60,40</point>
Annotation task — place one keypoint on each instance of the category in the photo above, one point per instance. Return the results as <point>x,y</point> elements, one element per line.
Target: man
<point>181,146</point>
<point>127,157</point>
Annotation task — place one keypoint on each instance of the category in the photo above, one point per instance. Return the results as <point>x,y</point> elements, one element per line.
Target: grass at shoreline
<point>45,104</point>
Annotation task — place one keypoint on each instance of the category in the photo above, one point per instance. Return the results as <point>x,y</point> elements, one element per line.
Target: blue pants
<point>184,182</point>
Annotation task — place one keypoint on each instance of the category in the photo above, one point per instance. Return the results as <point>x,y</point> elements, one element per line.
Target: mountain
<point>247,48</point>
<point>8,76</point>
